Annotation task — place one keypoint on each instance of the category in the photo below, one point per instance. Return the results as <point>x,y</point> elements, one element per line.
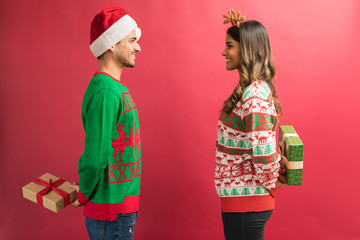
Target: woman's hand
<point>282,172</point>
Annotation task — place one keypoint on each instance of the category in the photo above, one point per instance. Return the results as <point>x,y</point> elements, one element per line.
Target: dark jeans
<point>245,226</point>
<point>120,229</point>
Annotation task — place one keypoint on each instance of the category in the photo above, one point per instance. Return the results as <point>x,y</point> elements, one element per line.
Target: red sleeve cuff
<point>81,198</point>
<point>273,191</point>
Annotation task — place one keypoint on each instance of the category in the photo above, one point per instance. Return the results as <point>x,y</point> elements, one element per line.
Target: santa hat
<point>109,27</point>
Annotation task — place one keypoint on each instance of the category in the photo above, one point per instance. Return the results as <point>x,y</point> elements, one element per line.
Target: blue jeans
<point>120,229</point>
<point>245,226</point>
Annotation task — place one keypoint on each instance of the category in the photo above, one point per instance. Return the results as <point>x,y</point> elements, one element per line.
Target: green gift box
<point>293,148</point>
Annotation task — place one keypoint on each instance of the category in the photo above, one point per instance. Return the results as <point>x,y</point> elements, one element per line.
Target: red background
<point>179,85</point>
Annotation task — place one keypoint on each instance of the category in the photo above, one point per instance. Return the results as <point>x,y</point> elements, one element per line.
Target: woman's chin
<point>229,68</point>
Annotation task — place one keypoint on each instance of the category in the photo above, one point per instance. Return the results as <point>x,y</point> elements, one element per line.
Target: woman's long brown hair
<point>256,62</point>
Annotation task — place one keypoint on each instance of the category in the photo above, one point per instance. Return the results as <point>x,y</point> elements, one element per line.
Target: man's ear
<point>112,49</point>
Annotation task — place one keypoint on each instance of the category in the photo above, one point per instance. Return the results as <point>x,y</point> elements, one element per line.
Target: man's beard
<point>129,65</point>
<point>125,62</point>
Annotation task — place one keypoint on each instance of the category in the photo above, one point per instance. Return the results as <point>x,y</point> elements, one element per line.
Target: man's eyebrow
<point>133,38</point>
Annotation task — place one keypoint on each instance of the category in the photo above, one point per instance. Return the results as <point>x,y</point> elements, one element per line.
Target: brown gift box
<point>51,200</point>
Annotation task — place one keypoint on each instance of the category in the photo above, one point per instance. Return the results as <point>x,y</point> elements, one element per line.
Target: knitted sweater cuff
<point>82,198</point>
<point>273,191</point>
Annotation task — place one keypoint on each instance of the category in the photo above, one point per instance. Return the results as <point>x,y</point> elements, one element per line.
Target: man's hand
<point>76,203</point>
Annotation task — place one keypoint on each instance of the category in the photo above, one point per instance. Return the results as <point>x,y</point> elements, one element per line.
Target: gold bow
<point>234,18</point>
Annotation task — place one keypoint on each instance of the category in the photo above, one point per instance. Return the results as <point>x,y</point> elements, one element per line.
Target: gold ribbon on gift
<point>290,165</point>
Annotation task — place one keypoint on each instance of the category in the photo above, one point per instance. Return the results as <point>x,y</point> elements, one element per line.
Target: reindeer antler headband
<point>234,18</point>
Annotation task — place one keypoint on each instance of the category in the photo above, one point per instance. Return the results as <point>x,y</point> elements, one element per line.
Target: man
<point>110,166</point>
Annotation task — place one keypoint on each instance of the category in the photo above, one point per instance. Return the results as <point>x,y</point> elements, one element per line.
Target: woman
<point>247,162</point>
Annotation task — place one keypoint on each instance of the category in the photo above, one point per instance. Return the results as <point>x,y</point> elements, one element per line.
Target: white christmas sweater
<point>247,162</point>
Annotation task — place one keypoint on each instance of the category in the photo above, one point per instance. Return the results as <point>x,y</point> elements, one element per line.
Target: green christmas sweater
<point>247,162</point>
<point>110,167</point>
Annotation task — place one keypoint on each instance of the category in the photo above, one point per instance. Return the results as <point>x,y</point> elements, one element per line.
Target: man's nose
<point>137,48</point>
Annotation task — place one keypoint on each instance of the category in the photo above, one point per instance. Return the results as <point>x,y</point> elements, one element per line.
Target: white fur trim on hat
<point>114,34</point>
